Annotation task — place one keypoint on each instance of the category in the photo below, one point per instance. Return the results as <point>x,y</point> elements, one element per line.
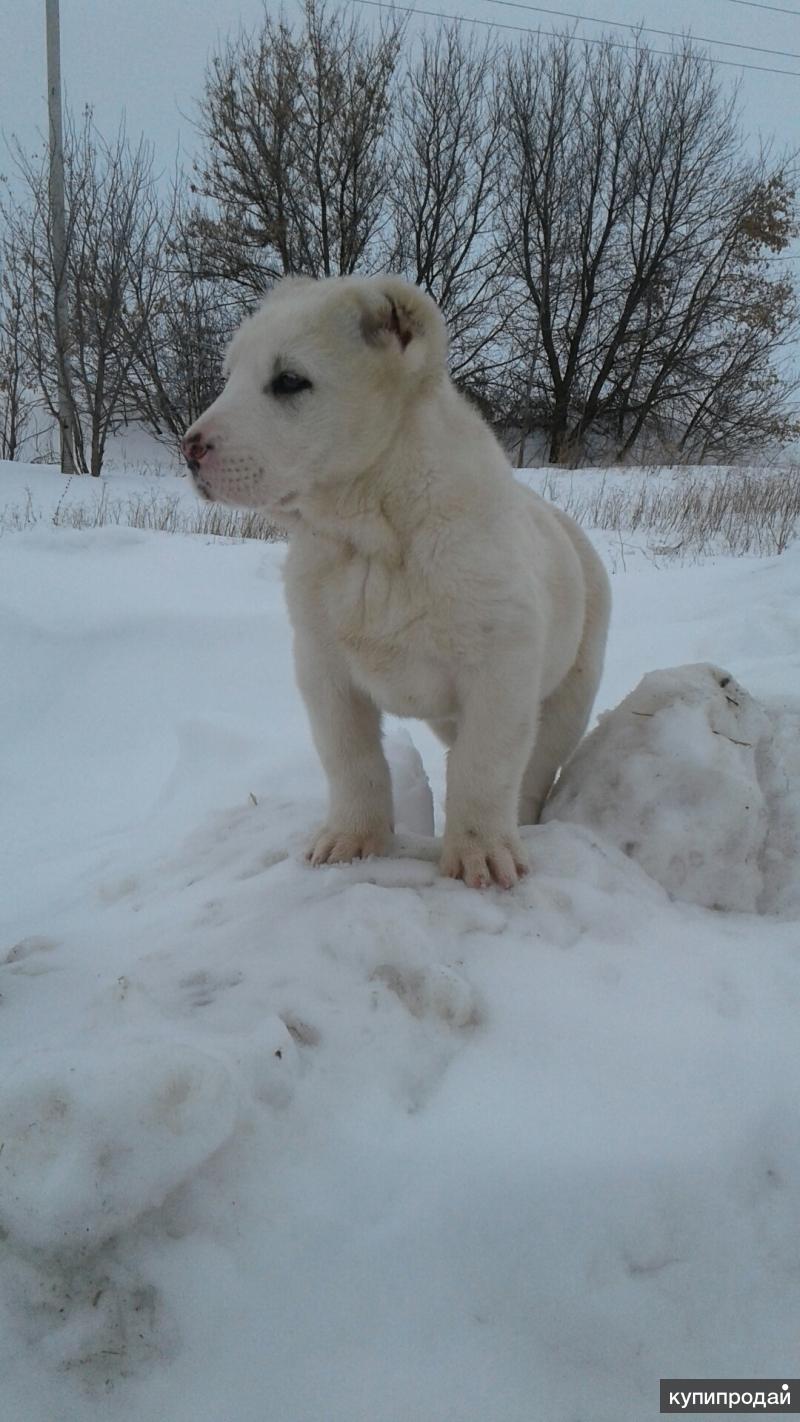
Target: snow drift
<point>700,784</point>
<point>360,1144</point>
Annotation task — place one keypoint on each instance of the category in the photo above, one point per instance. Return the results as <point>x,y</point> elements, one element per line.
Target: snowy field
<point>360,1144</point>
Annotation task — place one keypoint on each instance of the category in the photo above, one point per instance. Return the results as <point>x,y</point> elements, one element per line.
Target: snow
<point>360,1144</point>
<point>700,785</point>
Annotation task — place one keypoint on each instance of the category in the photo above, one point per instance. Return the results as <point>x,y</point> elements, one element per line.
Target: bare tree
<point>29,267</point>
<point>176,369</point>
<point>295,176</point>
<point>637,231</point>
<point>444,190</point>
<point>17,396</point>
<point>115,257</point>
<point>114,249</point>
<point>600,240</point>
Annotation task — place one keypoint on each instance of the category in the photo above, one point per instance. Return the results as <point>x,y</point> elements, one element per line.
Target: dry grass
<point>164,513</point>
<point>684,514</point>
<point>729,511</point>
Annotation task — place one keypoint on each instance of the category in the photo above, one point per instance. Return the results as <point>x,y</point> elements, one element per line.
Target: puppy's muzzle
<point>196,449</point>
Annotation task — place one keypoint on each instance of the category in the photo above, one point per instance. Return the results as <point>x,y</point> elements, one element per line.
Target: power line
<point>585,39</point>
<point>645,29</point>
<point>756,5</point>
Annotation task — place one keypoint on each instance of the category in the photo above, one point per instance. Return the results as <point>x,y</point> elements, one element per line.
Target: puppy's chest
<point>386,623</point>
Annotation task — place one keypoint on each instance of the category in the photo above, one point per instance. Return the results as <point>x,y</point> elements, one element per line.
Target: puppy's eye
<point>288,383</point>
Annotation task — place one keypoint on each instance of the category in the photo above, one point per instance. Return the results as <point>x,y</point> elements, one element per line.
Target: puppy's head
<point>318,381</point>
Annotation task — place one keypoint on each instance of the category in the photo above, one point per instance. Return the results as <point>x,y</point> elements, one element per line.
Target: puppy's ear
<point>387,322</point>
<point>400,317</point>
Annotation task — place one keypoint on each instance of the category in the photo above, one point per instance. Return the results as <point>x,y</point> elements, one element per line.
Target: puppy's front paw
<point>332,846</point>
<point>481,860</point>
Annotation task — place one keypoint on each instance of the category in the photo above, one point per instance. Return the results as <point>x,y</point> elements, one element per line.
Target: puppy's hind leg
<point>564,714</point>
<point>563,719</point>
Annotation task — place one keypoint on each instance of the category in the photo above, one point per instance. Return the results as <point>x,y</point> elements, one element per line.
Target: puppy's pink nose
<point>195,447</point>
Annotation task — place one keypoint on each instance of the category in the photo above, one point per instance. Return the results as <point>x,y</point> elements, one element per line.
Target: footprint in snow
<point>201,988</point>
<point>436,991</point>
<point>27,956</point>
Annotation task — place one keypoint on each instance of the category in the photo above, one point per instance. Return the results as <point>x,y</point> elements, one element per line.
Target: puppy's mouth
<point>225,492</point>
<point>200,484</point>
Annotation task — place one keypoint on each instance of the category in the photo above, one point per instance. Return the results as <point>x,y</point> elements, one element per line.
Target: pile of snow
<point>360,1144</point>
<point>700,784</point>
<point>411,788</point>
<point>294,1143</point>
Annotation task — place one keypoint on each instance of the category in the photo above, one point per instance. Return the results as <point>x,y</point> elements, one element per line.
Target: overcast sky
<point>147,57</point>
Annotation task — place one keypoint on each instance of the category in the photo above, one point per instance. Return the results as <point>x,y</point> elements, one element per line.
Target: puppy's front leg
<point>346,726</point>
<point>485,766</point>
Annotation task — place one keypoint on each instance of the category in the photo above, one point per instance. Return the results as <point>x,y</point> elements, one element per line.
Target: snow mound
<point>358,1142</point>
<point>700,784</point>
<point>411,791</point>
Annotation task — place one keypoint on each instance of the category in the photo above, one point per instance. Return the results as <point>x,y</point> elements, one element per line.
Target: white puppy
<point>421,578</point>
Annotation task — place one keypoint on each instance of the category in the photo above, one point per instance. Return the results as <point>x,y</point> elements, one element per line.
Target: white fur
<point>421,579</point>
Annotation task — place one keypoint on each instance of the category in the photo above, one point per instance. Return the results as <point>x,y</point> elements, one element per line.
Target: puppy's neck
<point>374,513</point>
<point>358,515</point>
<point>377,512</point>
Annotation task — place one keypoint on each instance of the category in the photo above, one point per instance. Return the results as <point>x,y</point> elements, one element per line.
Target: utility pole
<point>58,235</point>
